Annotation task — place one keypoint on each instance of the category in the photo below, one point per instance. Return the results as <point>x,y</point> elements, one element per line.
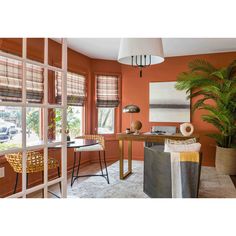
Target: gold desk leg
<point>130,156</point>
<point>121,146</point>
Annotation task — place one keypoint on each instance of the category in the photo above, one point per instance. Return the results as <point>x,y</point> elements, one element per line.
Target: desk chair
<point>158,176</point>
<point>100,147</point>
<point>35,163</point>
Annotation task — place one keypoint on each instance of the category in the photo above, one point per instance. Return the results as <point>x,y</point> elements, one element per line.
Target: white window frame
<point>44,106</point>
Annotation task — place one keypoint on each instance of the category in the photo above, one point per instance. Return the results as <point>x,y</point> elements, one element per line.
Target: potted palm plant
<point>215,91</point>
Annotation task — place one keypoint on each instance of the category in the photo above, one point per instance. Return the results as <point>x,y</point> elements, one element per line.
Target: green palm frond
<point>189,82</point>
<point>231,70</point>
<point>220,74</point>
<point>222,115</point>
<point>206,83</point>
<point>201,65</point>
<point>218,137</point>
<point>212,89</point>
<point>214,121</point>
<point>199,104</point>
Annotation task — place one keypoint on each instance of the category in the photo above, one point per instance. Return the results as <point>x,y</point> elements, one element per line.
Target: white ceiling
<point>107,48</point>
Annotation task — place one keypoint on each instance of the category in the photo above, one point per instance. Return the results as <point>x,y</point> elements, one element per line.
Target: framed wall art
<point>166,104</point>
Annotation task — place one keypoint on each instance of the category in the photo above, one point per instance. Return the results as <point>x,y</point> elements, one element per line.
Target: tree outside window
<point>106,120</point>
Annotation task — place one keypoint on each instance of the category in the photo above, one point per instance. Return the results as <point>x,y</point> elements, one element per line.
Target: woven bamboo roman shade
<point>107,91</point>
<point>76,89</point>
<point>11,81</point>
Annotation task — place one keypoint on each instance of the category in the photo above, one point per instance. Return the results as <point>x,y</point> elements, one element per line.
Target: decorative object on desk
<point>167,104</point>
<point>136,126</point>
<point>127,131</point>
<point>186,129</point>
<point>208,83</point>
<point>131,108</point>
<point>163,130</point>
<point>141,52</point>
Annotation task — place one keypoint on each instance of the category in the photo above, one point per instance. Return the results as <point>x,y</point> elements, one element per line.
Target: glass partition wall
<point>25,122</point>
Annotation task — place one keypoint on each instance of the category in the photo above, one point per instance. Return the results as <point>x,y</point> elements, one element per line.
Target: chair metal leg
<point>104,156</point>
<point>27,180</point>
<point>59,175</point>
<point>72,175</point>
<point>100,162</point>
<point>77,173</point>
<point>17,175</point>
<point>42,182</point>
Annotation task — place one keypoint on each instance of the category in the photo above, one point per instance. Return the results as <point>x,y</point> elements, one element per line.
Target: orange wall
<point>136,90</point>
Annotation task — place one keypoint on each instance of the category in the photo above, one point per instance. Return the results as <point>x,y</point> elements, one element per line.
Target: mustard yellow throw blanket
<point>184,170</point>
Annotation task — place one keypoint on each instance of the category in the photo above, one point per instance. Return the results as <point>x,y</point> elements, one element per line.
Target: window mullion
<point>45,118</point>
<point>64,118</point>
<point>24,95</point>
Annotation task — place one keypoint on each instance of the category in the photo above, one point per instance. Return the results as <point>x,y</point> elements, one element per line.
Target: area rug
<point>212,185</point>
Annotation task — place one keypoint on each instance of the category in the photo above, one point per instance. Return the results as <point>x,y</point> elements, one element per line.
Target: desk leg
<point>121,146</point>
<point>130,156</point>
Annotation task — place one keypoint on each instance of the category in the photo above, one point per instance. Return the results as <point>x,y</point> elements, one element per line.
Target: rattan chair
<point>35,163</point>
<point>100,147</point>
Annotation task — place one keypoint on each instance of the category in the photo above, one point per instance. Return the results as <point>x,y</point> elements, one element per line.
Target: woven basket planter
<point>226,160</point>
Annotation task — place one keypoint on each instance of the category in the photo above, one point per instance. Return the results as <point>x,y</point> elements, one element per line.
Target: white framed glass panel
<point>74,121</point>
<point>10,80</point>
<point>106,120</point>
<point>34,126</point>
<point>55,125</point>
<point>28,123</point>
<point>10,128</point>
<point>12,174</point>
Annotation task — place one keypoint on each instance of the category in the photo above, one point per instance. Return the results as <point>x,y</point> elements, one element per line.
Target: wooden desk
<point>141,138</point>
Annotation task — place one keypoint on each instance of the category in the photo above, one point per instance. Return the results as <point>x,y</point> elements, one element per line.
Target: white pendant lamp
<point>141,52</point>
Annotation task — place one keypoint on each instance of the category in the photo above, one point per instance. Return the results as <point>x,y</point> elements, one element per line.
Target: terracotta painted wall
<point>136,90</point>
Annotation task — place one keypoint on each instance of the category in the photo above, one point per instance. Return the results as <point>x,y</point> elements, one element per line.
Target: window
<point>76,89</point>
<point>33,126</point>
<point>11,81</point>
<point>10,127</point>
<point>76,96</point>
<point>107,99</point>
<point>11,91</point>
<point>106,120</point>
<point>107,94</point>
<point>11,130</point>
<point>74,122</point>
